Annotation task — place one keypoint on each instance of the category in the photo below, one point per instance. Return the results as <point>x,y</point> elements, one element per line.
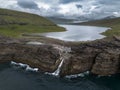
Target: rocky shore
<point>101,57</point>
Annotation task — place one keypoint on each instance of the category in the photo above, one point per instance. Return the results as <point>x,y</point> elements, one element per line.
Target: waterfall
<point>63,55</point>
<point>57,71</point>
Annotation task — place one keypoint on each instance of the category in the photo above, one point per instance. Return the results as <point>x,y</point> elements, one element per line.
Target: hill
<point>60,20</point>
<point>113,23</point>
<point>14,23</point>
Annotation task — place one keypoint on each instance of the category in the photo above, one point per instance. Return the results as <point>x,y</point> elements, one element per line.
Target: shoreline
<point>99,56</point>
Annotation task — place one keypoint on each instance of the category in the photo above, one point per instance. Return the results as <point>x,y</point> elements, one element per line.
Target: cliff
<point>101,57</point>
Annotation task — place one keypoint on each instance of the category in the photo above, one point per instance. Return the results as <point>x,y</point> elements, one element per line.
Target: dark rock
<point>101,57</point>
<point>44,57</point>
<point>107,63</point>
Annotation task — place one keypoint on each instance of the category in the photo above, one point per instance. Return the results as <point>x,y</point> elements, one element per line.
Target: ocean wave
<point>78,75</point>
<point>27,67</point>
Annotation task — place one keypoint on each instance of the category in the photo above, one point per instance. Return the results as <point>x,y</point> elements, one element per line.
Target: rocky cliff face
<point>45,57</point>
<point>101,57</point>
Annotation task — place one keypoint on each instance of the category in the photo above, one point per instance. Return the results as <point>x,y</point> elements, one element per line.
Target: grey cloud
<point>79,6</point>
<point>27,4</point>
<point>68,1</point>
<point>87,8</point>
<point>109,2</point>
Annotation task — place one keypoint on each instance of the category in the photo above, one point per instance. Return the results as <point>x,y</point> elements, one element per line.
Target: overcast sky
<point>91,8</point>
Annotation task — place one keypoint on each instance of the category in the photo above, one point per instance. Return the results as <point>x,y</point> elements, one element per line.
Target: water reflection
<point>78,33</point>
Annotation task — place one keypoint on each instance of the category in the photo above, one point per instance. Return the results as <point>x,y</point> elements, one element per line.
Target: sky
<point>66,8</point>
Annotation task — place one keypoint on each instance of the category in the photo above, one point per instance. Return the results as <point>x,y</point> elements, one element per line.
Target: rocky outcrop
<point>107,62</point>
<point>101,57</point>
<point>44,57</point>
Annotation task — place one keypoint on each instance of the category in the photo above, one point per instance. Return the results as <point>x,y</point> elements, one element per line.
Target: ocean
<point>17,78</point>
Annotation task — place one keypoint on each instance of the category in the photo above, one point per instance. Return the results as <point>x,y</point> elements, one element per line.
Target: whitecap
<point>27,67</point>
<point>78,75</point>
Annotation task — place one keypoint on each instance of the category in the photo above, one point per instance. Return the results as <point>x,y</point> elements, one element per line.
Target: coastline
<point>100,57</point>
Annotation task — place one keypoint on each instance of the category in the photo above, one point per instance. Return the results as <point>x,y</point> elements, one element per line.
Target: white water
<point>63,55</point>
<point>56,72</point>
<point>78,75</point>
<point>27,67</point>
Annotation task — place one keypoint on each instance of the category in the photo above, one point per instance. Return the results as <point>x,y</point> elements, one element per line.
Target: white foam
<point>13,63</point>
<point>27,67</point>
<point>77,75</point>
<point>18,64</point>
<point>34,43</point>
<point>22,65</point>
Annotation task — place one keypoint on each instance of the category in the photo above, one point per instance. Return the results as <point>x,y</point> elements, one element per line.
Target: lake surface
<point>16,78</point>
<point>78,33</point>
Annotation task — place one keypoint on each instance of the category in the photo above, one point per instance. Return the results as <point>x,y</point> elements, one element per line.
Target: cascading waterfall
<point>57,71</point>
<point>63,54</point>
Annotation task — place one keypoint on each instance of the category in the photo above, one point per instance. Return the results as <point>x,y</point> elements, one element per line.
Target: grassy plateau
<point>15,23</point>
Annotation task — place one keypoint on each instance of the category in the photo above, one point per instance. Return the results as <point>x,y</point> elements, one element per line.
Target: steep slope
<point>14,23</point>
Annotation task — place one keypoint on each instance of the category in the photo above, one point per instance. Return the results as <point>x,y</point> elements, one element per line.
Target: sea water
<point>13,77</point>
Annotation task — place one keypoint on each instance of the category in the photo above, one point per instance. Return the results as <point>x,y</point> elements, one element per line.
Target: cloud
<point>68,1</point>
<point>27,4</point>
<point>8,3</point>
<point>66,8</point>
<point>79,6</point>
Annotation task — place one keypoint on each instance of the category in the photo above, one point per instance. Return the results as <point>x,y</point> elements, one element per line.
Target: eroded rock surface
<point>101,57</point>
<point>45,57</point>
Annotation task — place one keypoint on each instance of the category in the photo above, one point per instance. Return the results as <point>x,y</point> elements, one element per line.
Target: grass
<point>114,24</point>
<point>14,23</point>
<point>17,30</point>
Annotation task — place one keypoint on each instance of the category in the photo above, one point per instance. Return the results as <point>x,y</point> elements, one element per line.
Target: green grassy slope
<point>113,23</point>
<point>15,23</point>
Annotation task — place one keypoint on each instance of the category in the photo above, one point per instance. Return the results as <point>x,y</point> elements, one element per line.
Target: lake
<point>78,33</point>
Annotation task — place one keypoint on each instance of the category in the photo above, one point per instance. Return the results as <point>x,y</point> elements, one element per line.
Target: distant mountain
<point>60,20</point>
<point>66,20</point>
<point>76,19</point>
